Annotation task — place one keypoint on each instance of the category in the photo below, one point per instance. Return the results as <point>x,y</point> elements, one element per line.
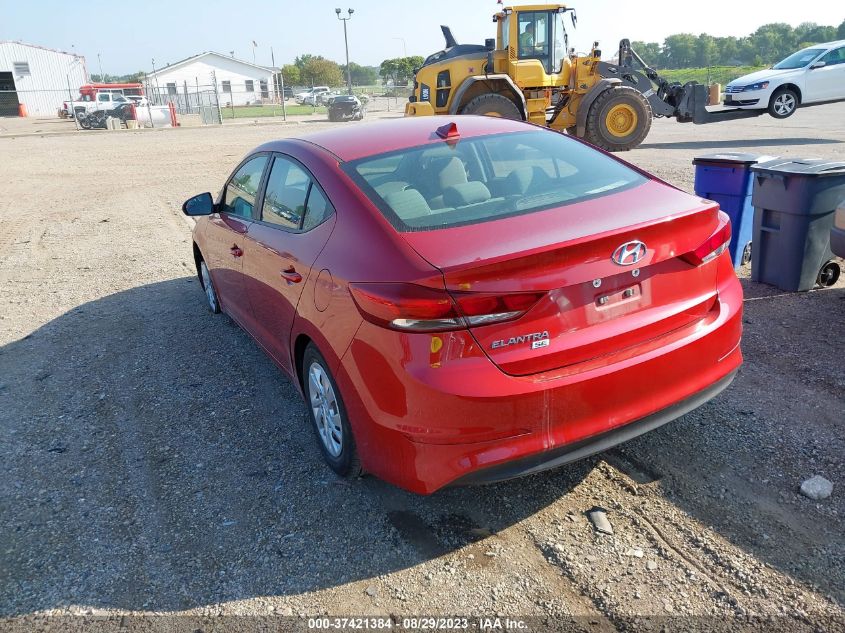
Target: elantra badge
<point>629,253</point>
<point>537,340</point>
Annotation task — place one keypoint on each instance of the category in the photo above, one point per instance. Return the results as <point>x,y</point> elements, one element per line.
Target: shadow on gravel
<point>154,458</point>
<point>753,142</point>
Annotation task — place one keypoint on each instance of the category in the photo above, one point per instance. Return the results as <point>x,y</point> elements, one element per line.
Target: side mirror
<point>203,204</point>
<point>818,65</point>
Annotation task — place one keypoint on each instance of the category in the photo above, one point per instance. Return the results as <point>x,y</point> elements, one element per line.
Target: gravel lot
<point>155,461</point>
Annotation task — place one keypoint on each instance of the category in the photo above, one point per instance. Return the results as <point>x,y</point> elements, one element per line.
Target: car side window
<point>834,57</point>
<point>291,199</point>
<point>103,97</point>
<point>239,199</point>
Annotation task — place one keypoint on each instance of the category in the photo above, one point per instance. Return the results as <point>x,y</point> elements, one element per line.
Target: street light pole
<point>346,42</point>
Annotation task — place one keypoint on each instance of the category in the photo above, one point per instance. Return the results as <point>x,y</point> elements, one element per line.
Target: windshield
<point>799,59</point>
<point>486,178</point>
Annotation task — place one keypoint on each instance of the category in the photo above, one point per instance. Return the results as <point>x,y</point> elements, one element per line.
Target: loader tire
<point>619,119</point>
<point>493,104</point>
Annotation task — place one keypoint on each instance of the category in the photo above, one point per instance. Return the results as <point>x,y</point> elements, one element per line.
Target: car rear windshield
<point>487,178</point>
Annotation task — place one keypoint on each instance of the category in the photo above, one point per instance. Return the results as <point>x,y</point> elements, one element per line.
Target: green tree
<point>706,51</point>
<point>728,50</point>
<point>649,51</point>
<point>840,32</point>
<point>301,60</point>
<point>361,75</point>
<point>679,50</point>
<point>317,71</point>
<point>400,70</point>
<point>291,75</point>
<point>774,41</point>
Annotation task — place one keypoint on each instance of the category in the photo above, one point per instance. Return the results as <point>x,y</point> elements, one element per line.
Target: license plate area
<point>620,298</point>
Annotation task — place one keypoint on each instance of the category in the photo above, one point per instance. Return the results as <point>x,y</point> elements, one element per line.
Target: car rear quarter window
<point>240,191</point>
<point>292,199</point>
<point>487,178</point>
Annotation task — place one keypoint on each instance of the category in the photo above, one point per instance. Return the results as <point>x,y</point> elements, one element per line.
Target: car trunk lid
<point>590,306</point>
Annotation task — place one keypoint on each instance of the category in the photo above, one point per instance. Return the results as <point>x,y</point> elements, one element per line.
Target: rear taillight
<point>715,245</point>
<point>410,307</point>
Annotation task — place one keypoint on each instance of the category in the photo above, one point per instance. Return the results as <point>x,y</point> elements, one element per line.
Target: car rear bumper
<point>428,411</point>
<point>590,446</point>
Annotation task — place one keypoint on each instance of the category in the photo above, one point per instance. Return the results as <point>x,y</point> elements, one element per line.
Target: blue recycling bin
<point>726,178</point>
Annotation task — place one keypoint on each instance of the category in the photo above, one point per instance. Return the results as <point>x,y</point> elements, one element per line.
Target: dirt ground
<point>154,461</point>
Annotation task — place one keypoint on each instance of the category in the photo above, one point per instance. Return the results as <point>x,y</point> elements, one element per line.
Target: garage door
<point>8,96</point>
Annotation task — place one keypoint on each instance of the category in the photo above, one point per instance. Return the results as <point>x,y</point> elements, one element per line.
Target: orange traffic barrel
<point>22,109</point>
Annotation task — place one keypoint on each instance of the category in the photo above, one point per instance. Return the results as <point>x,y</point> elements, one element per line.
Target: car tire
<point>208,286</point>
<point>493,105</point>
<point>784,103</point>
<point>619,119</point>
<point>328,415</point>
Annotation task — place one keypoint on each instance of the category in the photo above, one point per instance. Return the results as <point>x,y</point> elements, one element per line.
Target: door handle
<point>291,276</point>
<point>236,251</point>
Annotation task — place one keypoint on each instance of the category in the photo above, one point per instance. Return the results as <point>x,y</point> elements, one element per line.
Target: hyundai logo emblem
<point>629,253</point>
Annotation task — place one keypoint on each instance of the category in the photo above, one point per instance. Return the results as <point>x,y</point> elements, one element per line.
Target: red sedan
<point>473,301</point>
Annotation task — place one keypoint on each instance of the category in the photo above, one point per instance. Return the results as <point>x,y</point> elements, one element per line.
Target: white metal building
<point>37,77</point>
<point>238,82</point>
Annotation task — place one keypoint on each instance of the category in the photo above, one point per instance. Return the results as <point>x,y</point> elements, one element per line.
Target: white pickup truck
<point>100,101</point>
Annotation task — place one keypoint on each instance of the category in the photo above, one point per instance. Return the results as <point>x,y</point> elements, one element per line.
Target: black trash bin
<point>794,202</point>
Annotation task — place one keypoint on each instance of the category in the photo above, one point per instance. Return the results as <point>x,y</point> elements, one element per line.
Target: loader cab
<point>535,39</point>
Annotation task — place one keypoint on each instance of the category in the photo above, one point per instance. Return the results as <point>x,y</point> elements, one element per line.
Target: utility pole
<point>155,75</point>
<point>281,80</point>
<point>346,42</point>
<point>100,62</point>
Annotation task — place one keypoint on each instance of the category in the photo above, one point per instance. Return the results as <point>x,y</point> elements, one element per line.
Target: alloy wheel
<point>326,409</point>
<point>784,104</point>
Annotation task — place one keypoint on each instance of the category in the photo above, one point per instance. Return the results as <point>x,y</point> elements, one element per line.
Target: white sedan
<point>810,76</point>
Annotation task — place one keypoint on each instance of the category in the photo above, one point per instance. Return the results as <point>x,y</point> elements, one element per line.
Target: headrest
<point>407,204</point>
<point>466,193</point>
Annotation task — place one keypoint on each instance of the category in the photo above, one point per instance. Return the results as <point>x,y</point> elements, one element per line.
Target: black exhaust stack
<point>447,33</point>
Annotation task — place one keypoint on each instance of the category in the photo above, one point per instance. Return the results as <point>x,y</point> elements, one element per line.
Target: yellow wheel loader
<point>529,72</point>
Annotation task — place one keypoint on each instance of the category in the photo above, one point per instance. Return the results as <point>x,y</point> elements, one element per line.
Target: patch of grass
<point>254,112</point>
<point>715,74</point>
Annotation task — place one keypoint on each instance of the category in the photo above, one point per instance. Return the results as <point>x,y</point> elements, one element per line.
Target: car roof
<point>352,142</point>
<point>835,44</point>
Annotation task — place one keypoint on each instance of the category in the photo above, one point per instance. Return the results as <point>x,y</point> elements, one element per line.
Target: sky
<point>128,36</point>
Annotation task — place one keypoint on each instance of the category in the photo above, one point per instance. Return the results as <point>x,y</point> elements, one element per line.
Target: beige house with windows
<point>238,82</point>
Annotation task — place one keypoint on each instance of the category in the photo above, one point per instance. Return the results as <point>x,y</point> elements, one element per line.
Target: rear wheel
<point>783,103</point>
<point>328,415</point>
<point>493,105</point>
<point>619,119</point>
<point>828,274</point>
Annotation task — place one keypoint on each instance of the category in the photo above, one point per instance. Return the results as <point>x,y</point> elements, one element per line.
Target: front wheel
<point>783,103</point>
<point>493,104</point>
<point>619,119</point>
<point>208,286</point>
<point>328,415</point>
